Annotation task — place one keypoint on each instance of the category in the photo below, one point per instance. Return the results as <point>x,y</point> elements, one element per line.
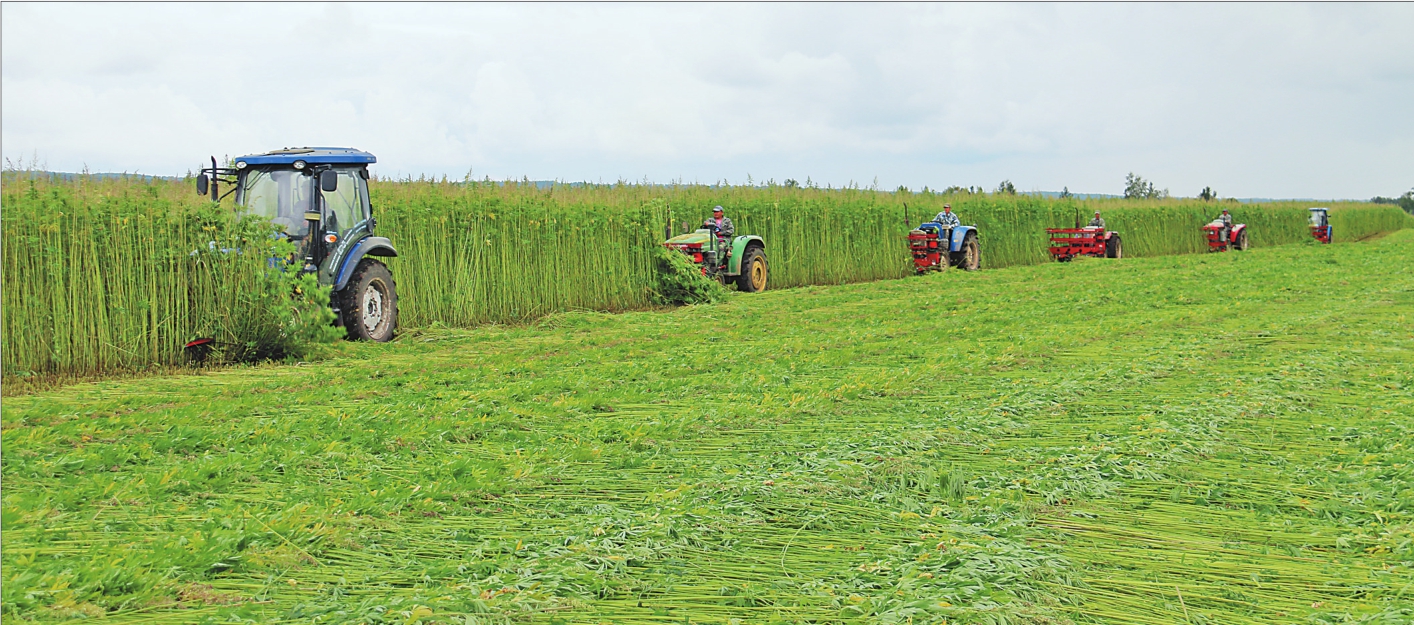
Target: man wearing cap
<point>725,229</point>
<point>1226,221</point>
<point>946,218</point>
<point>1097,222</point>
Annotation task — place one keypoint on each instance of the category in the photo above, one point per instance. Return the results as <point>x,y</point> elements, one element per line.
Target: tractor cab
<point>318,197</point>
<point>1320,224</point>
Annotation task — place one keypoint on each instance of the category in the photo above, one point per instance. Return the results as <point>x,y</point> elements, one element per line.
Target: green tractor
<point>741,260</point>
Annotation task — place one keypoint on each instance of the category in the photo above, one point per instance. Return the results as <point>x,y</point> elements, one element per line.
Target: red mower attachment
<point>693,251</point>
<point>928,251</point>
<point>1218,242</point>
<point>1067,243</point>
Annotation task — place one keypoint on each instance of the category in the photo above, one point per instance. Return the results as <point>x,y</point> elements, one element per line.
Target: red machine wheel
<point>1241,243</point>
<point>1114,248</point>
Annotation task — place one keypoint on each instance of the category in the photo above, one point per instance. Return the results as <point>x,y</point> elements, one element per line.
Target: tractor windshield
<point>1318,218</point>
<point>280,195</point>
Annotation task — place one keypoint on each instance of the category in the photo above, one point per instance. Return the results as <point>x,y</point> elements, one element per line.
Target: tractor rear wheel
<point>1114,248</point>
<point>1241,243</point>
<point>370,306</point>
<point>753,271</point>
<point>971,254</point>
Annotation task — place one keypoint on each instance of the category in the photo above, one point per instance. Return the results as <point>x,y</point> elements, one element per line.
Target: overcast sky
<point>1255,100</point>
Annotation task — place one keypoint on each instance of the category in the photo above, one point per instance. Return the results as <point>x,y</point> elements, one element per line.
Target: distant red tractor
<point>1067,243</point>
<point>1219,241</point>
<point>1320,224</point>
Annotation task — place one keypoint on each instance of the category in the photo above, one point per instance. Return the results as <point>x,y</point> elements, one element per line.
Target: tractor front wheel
<point>971,253</point>
<point>370,306</point>
<point>753,271</point>
<point>1114,248</point>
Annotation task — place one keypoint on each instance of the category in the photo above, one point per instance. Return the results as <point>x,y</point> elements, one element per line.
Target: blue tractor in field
<point>936,247</point>
<point>319,198</point>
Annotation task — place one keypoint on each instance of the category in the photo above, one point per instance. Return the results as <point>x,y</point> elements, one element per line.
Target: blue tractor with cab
<point>319,198</point>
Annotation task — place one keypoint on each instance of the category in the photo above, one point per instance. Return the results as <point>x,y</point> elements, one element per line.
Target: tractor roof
<point>287,156</point>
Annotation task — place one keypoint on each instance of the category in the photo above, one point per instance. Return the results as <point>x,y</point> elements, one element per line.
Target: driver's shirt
<point>1097,223</point>
<point>725,228</point>
<point>947,219</point>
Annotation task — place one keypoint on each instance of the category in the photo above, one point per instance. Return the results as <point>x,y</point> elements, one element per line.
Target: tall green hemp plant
<point>268,309</point>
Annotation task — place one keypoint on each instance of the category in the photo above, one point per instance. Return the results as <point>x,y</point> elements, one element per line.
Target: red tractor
<point>1067,243</point>
<point>1220,241</point>
<point>1320,224</point>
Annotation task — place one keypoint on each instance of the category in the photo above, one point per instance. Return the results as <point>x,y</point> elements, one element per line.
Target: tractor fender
<point>959,234</point>
<point>739,246</point>
<point>367,246</point>
<point>1238,228</point>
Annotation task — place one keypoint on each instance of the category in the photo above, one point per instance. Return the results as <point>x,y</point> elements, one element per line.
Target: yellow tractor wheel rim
<point>758,274</point>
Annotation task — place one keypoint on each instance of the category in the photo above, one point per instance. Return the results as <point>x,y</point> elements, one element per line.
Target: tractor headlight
<point>299,164</point>
<point>240,164</point>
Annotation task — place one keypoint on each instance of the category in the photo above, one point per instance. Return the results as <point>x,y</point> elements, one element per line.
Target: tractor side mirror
<point>202,184</point>
<point>328,180</point>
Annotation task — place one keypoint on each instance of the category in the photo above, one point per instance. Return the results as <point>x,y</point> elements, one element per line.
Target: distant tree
<point>1207,195</point>
<point>791,183</point>
<point>1405,201</point>
<point>956,190</point>
<point>1065,192</point>
<point>1136,187</point>
<point>1006,188</point>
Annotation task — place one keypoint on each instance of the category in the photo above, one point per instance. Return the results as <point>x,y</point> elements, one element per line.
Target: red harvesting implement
<point>1067,243</point>
<point>1219,241</point>
<point>928,251</point>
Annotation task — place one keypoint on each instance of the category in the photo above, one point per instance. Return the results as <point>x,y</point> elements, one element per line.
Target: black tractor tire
<point>1114,248</point>
<point>754,271</point>
<point>1241,243</point>
<point>970,257</point>
<point>370,304</point>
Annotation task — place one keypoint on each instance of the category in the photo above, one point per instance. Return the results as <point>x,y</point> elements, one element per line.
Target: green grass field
<point>1207,438</point>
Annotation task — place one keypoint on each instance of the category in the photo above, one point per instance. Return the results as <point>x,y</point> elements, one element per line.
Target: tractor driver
<point>1097,222</point>
<point>1226,220</point>
<point>724,226</point>
<point>946,218</point>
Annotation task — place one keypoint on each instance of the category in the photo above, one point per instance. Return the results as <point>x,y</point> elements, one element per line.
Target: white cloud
<point>1254,100</point>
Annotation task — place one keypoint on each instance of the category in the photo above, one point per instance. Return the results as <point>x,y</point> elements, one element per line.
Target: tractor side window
<point>345,204</point>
